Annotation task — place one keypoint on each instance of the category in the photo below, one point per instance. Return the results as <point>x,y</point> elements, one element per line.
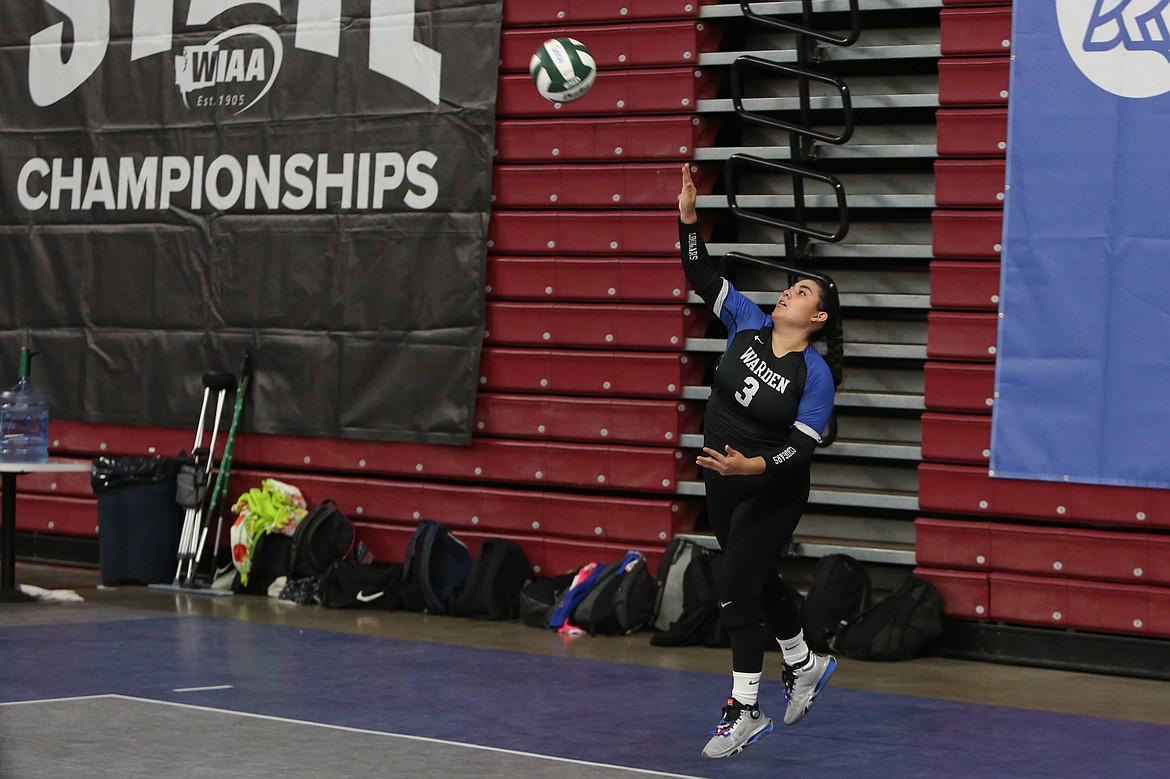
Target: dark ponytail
<point>830,332</point>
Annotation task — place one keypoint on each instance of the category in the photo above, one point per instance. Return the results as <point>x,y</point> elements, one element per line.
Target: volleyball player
<point>771,398</point>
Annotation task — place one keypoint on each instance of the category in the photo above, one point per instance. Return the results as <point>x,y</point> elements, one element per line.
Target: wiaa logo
<point>228,73</point>
<point>1122,46</point>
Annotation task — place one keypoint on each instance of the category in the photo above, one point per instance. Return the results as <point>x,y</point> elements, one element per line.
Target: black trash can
<point>139,522</point>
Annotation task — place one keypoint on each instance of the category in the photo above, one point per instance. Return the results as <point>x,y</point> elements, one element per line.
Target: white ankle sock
<point>794,649</point>
<point>745,687</point>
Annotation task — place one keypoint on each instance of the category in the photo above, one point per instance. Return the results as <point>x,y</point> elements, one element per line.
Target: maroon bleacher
<point>972,132</point>
<point>975,31</point>
<point>964,285</point>
<point>652,44</point>
<point>953,544</point>
<point>617,420</point>
<point>968,234</point>
<point>968,183</point>
<point>956,438</point>
<point>1126,557</point>
<point>966,490</point>
<point>1103,581</point>
<point>973,81</point>
<point>965,594</point>
<point>581,372</point>
<point>603,139</point>
<point>636,185</point>
<point>1074,553</point>
<point>56,514</point>
<point>613,233</point>
<point>550,13</point>
<point>595,279</point>
<point>1042,601</point>
<point>965,387</point>
<point>1082,605</point>
<point>961,335</point>
<point>597,326</point>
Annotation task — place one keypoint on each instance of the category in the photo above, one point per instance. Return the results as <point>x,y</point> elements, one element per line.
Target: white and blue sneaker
<point>739,727</point>
<point>803,683</point>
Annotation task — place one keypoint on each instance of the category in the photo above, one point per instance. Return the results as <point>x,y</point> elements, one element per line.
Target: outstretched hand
<point>686,198</point>
<point>730,462</point>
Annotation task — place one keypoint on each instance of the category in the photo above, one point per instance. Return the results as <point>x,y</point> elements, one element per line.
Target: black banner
<point>182,181</point>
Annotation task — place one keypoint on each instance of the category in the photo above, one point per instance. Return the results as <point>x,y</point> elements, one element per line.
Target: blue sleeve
<point>816,404</point>
<point>812,417</point>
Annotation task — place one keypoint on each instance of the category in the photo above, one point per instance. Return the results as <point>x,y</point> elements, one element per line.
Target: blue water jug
<point>24,418</point>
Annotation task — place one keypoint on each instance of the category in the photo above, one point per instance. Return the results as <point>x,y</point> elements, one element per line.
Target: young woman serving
<point>771,399</point>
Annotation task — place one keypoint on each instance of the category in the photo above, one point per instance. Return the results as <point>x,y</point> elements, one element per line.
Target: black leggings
<point>754,518</point>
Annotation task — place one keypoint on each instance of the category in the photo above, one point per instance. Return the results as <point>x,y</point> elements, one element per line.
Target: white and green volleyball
<point>562,69</point>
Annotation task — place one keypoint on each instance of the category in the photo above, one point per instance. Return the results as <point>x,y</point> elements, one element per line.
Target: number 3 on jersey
<point>750,387</point>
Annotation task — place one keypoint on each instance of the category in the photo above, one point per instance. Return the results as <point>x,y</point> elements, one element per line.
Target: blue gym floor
<point>190,695</point>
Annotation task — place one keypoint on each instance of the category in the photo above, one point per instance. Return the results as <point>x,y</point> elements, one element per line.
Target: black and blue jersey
<point>762,404</point>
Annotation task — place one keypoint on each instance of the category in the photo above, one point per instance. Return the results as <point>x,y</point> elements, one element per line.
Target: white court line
<point>204,689</point>
<point>364,731</point>
<point>65,699</point>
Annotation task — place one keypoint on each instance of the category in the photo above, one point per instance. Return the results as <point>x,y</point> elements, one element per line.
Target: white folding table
<point>8,474</point>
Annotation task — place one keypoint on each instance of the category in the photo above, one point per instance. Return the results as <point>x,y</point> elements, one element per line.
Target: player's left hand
<point>730,462</point>
<point>686,198</point>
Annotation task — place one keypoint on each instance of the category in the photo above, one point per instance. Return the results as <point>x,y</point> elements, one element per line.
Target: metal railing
<point>797,230</point>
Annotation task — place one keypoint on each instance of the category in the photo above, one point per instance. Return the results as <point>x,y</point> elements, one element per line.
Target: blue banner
<point>1083,361</point>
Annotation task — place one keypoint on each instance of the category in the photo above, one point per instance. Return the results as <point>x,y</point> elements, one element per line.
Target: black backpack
<point>584,579</point>
<point>353,585</point>
<point>670,602</point>
<point>499,573</point>
<point>697,622</point>
<point>898,627</point>
<point>434,569</point>
<point>539,597</point>
<point>323,536</point>
<point>270,559</point>
<point>622,599</point>
<point>839,592</point>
